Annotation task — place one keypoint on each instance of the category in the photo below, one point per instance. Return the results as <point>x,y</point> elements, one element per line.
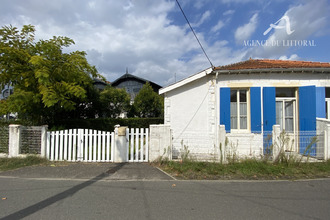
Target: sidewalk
<point>88,171</point>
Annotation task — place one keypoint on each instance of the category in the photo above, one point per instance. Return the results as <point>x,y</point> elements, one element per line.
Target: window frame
<point>327,105</point>
<point>248,111</point>
<point>284,100</point>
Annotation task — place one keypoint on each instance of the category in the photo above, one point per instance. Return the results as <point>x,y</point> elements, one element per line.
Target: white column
<point>43,140</point>
<point>222,141</point>
<point>120,148</point>
<point>14,140</point>
<point>160,142</point>
<point>327,142</point>
<point>275,140</point>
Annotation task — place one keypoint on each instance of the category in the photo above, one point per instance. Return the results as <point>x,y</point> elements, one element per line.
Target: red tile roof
<point>272,64</point>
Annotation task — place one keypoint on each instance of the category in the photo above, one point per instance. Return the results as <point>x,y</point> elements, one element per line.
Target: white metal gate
<point>137,145</point>
<point>88,145</point>
<point>84,145</point>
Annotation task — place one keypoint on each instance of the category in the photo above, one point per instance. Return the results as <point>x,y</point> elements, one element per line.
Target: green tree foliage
<point>47,82</point>
<point>114,102</point>
<point>147,103</point>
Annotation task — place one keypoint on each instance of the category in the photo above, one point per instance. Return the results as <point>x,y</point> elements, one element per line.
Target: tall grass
<point>14,163</point>
<point>246,169</point>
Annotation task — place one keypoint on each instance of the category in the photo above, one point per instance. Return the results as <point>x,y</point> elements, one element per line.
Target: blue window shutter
<point>225,108</point>
<point>255,109</point>
<point>269,117</point>
<point>269,108</point>
<point>307,119</point>
<point>320,102</point>
<point>307,108</point>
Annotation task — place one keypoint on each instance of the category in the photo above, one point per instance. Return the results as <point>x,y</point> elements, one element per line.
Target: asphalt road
<point>104,198</point>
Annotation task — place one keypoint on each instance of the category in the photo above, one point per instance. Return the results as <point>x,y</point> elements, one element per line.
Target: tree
<point>147,103</point>
<point>47,82</point>
<point>114,102</point>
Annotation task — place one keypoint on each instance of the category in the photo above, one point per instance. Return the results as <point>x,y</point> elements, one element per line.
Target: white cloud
<point>115,34</point>
<point>146,37</point>
<point>218,26</point>
<point>206,15</point>
<point>244,32</point>
<point>228,12</point>
<point>292,57</point>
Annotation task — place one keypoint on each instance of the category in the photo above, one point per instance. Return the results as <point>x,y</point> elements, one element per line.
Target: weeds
<point>246,169</point>
<point>14,163</point>
<point>185,153</point>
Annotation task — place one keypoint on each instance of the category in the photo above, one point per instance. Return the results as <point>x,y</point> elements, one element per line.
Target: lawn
<point>15,163</point>
<point>247,169</point>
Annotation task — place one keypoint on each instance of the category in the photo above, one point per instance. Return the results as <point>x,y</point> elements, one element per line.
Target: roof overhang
<point>274,70</point>
<point>186,80</point>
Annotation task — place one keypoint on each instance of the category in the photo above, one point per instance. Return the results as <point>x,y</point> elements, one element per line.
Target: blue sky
<point>152,39</point>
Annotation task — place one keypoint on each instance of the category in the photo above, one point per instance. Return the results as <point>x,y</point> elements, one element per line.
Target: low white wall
<point>160,144</point>
<point>242,145</point>
<point>323,134</point>
<point>15,140</point>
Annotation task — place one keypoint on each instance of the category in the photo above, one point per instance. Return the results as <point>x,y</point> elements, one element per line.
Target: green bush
<point>105,124</point>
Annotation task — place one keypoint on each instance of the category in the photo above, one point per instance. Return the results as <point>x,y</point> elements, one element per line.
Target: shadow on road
<point>67,193</point>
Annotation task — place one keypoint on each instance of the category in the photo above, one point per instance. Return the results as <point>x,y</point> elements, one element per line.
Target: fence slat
<point>108,147</point>
<point>103,146</point>
<point>86,145</point>
<point>74,147</point>
<point>94,146</point>
<point>113,145</point>
<point>70,146</point>
<point>99,146</point>
<point>141,144</point>
<point>136,145</point>
<point>57,145</point>
<point>52,150</point>
<point>90,145</point>
<point>65,145</point>
<point>147,145</point>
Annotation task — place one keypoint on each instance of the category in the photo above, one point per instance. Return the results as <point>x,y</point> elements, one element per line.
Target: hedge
<point>105,124</point>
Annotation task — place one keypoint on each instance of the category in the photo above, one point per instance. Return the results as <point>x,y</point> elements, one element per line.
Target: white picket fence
<point>137,144</point>
<point>84,145</point>
<point>88,145</point>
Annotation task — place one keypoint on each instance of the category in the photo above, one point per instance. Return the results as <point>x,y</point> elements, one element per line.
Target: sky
<point>152,39</point>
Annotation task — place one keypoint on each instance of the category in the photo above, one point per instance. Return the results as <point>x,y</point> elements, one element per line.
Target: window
<point>286,108</point>
<point>327,102</point>
<point>239,109</point>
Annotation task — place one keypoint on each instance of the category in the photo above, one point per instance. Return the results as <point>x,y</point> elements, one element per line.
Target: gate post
<point>120,148</point>
<point>276,145</point>
<point>43,140</point>
<point>160,142</point>
<point>14,140</point>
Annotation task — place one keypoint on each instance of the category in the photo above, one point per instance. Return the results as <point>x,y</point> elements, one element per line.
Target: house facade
<point>245,100</point>
<point>133,84</point>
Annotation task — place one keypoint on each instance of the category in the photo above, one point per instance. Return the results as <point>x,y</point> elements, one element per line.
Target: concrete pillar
<point>222,142</point>
<point>14,140</point>
<point>327,142</point>
<point>160,142</point>
<point>275,140</point>
<point>44,130</point>
<point>120,149</point>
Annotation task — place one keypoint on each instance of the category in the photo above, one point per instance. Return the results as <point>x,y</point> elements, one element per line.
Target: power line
<point>194,32</point>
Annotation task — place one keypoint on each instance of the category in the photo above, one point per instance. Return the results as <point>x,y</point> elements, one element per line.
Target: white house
<point>242,102</point>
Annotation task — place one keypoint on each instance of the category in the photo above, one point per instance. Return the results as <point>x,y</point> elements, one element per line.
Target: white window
<point>327,107</point>
<point>327,102</point>
<point>286,109</point>
<point>239,113</point>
